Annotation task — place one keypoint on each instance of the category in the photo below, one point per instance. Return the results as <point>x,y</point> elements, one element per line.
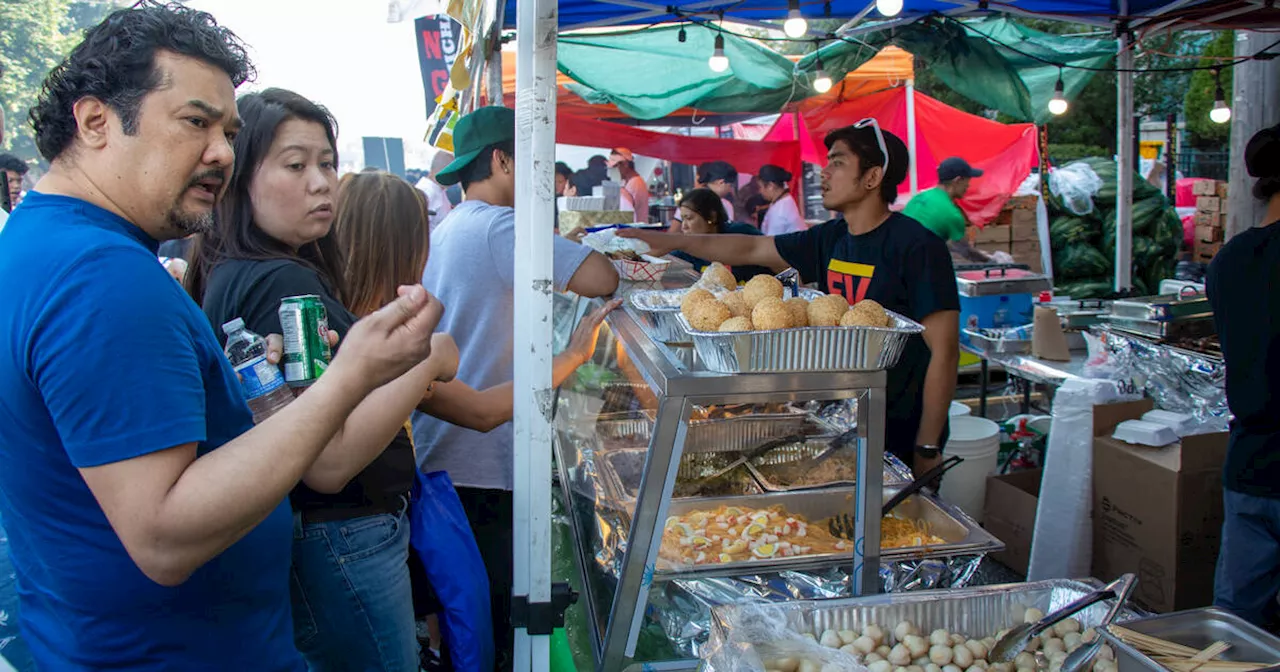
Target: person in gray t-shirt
<point>472,271</point>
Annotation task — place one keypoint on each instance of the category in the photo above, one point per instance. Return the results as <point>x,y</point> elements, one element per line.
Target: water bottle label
<point>259,377</point>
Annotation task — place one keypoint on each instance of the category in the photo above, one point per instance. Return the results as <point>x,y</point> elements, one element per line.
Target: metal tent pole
<point>912,170</point>
<point>532,609</point>
<point>1124,149</point>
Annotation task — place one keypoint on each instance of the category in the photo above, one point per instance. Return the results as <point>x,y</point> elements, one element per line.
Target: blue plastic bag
<point>441,536</point>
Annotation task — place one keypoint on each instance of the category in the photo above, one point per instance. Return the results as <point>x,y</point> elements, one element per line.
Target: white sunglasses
<point>884,150</point>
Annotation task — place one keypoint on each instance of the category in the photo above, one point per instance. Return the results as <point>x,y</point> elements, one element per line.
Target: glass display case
<point>642,432</point>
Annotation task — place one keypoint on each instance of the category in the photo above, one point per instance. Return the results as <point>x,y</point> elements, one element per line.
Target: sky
<point>342,54</point>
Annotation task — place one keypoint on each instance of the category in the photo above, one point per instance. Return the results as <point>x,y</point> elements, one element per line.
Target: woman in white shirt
<point>783,215</point>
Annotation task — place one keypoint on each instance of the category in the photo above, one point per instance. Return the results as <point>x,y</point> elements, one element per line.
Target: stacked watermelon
<point>1084,246</point>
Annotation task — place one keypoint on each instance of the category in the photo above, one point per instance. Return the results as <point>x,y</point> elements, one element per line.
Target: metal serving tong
<point>754,453</point>
<point>1077,660</point>
<point>842,525</point>
<point>1015,641</point>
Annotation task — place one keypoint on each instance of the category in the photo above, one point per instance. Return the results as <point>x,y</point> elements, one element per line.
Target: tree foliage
<point>36,36</point>
<point>1204,134</point>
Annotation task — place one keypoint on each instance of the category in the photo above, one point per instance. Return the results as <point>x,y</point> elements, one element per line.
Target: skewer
<point>1179,658</point>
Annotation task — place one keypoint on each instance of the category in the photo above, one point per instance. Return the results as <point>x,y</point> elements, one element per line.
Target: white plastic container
<point>977,440</point>
<point>1180,423</point>
<point>959,409</point>
<point>1143,433</point>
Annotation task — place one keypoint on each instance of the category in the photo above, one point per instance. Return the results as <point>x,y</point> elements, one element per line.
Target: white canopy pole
<point>1124,152</point>
<point>535,188</point>
<point>912,170</point>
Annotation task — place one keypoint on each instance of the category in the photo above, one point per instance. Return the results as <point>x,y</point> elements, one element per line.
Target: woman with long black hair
<point>783,215</point>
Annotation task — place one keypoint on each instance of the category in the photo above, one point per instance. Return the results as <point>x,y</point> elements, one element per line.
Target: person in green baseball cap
<point>472,265</point>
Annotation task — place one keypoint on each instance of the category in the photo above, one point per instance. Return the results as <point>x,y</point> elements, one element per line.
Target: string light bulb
<point>821,80</point>
<point>1058,104</point>
<point>795,25</point>
<point>718,61</point>
<point>682,36</point>
<point>1220,114</point>
<point>889,8</point>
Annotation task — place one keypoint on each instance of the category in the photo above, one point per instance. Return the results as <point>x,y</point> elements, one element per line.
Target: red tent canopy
<point>1006,152</point>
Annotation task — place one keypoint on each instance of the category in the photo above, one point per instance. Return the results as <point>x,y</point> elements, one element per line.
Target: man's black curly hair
<point>116,64</point>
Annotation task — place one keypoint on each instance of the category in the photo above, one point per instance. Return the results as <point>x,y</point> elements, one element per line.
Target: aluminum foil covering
<point>684,607</point>
<point>743,634</point>
<point>1177,380</point>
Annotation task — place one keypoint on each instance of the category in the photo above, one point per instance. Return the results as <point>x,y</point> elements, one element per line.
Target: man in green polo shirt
<point>936,208</point>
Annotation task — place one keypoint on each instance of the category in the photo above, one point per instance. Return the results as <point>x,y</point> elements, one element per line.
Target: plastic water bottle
<point>262,382</point>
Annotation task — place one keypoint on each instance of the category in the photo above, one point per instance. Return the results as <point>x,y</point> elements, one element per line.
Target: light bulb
<point>1220,114</point>
<point>821,81</point>
<point>889,7</point>
<point>1058,104</point>
<point>795,25</point>
<point>718,61</point>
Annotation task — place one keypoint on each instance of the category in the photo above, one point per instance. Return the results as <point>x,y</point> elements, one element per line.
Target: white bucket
<point>977,440</point>
<point>958,408</point>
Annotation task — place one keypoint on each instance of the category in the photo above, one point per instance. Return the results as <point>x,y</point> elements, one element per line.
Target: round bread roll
<point>737,324</point>
<point>696,295</point>
<point>799,311</point>
<point>867,313</point>
<point>761,287</point>
<point>771,313</point>
<point>826,311</point>
<point>717,275</point>
<point>707,315</point>
<point>736,304</point>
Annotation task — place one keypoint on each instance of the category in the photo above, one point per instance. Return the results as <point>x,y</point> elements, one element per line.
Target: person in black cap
<point>722,178</point>
<point>1242,286</point>
<point>869,252</point>
<point>936,208</point>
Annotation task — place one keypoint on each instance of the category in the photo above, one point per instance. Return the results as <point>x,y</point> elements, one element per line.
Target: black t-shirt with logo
<point>904,267</point>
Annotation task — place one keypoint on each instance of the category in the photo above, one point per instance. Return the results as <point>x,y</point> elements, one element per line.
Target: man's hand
<point>660,244</point>
<point>387,343</point>
<point>275,346</point>
<point>921,465</point>
<point>582,344</point>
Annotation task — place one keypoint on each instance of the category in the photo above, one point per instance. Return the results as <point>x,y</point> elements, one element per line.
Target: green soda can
<point>306,339</point>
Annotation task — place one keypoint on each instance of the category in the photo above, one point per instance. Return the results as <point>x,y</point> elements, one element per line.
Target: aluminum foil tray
<point>803,349</point>
<point>1198,628</point>
<point>895,472</point>
<point>961,533</point>
<point>621,470</point>
<point>976,612</point>
<point>656,311</point>
<point>980,339</point>
<point>745,432</point>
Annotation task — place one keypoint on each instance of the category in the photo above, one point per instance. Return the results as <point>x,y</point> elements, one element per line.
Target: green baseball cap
<point>482,128</point>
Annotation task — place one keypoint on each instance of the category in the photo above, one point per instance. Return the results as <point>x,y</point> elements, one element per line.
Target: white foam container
<point>977,440</point>
<point>1180,423</point>
<point>1141,432</point>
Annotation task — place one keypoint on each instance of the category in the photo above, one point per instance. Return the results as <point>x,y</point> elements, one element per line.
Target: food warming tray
<point>1001,281</point>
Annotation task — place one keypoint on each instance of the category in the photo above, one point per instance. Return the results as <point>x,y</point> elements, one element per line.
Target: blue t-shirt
<point>103,358</point>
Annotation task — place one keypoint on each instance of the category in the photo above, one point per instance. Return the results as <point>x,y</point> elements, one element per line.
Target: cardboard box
<point>1009,514</point>
<point>1157,512</point>
<point>993,233</point>
<point>1208,204</point>
<point>1204,188</point>
<point>1024,226</point>
<point>1205,252</point>
<point>1216,219</point>
<point>1208,234</point>
<point>1024,252</point>
<point>1021,203</point>
<point>1222,192</point>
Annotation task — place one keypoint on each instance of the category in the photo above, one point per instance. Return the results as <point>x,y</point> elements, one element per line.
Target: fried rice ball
<point>737,324</point>
<point>707,315</point>
<point>799,311</point>
<point>736,304</point>
<point>694,296</point>
<point>718,276</point>
<point>865,313</point>
<point>761,287</point>
<point>826,310</point>
<point>771,313</point>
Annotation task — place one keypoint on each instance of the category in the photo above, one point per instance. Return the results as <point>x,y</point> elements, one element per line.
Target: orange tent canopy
<point>890,67</point>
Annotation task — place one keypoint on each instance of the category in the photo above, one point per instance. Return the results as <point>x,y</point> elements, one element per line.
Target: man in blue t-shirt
<point>148,525</point>
<point>869,252</point>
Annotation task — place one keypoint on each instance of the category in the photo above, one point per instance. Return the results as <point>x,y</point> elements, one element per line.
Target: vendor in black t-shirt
<point>1244,289</point>
<point>868,253</point>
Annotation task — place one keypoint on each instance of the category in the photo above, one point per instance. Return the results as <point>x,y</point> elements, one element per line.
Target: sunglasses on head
<point>884,150</point>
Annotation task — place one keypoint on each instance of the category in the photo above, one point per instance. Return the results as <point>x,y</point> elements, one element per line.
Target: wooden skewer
<point>1210,652</point>
<point>1179,658</point>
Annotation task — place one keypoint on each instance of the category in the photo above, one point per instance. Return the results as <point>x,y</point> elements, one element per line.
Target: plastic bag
<point>607,241</point>
<point>1075,185</point>
<point>762,637</point>
<point>441,535</point>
